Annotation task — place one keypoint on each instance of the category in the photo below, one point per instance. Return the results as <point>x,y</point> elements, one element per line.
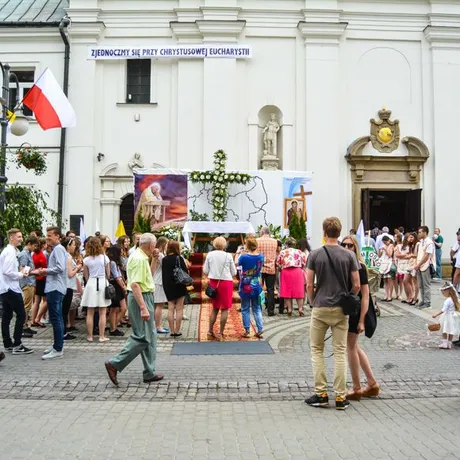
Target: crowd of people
<point>126,283</point>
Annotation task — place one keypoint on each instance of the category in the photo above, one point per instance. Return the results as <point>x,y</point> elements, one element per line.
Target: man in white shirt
<point>11,294</point>
<point>425,257</point>
<point>378,242</point>
<point>454,252</point>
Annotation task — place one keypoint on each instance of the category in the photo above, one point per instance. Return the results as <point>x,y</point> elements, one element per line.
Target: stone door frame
<point>384,171</point>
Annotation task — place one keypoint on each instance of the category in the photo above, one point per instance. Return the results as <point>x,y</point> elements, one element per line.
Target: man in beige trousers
<point>327,312</point>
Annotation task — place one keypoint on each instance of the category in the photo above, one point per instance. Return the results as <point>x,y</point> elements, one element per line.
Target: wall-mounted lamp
<point>100,157</point>
<point>137,117</point>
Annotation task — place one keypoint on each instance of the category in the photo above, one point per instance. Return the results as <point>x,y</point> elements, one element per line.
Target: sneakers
<point>318,401</point>
<point>27,335</point>
<point>2,356</point>
<point>341,403</point>
<point>29,331</point>
<point>53,354</point>
<point>50,348</point>
<point>69,337</point>
<point>22,350</point>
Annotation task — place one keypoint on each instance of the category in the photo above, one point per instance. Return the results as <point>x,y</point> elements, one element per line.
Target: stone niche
<point>264,116</point>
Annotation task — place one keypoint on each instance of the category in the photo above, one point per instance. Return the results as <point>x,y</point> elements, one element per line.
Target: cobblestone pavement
<point>398,430</point>
<point>245,406</point>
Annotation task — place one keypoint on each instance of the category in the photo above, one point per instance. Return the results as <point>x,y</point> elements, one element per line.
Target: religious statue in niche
<point>136,161</point>
<point>385,133</point>
<point>270,158</point>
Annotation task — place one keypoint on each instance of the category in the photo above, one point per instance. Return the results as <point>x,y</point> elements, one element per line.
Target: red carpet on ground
<point>234,327</point>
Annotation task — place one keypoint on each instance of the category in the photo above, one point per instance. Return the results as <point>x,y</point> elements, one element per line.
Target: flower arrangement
<point>31,158</point>
<point>186,252</point>
<point>220,180</point>
<point>169,231</point>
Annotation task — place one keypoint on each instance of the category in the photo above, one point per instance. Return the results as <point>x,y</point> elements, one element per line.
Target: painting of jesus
<point>293,206</point>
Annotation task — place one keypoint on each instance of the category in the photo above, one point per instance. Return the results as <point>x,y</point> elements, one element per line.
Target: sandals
<point>89,339</point>
<point>355,395</point>
<point>211,335</point>
<point>103,339</point>
<point>371,391</point>
<point>301,313</point>
<point>289,313</point>
<point>38,325</point>
<point>259,335</point>
<point>246,334</point>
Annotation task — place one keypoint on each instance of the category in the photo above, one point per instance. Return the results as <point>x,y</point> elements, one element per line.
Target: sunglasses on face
<point>348,245</point>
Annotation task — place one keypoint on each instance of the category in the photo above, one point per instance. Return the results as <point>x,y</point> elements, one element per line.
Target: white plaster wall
<point>327,90</point>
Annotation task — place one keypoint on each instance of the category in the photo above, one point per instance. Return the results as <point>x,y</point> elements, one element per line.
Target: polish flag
<point>50,105</point>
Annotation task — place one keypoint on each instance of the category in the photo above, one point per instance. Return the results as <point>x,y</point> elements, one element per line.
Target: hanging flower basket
<point>31,158</point>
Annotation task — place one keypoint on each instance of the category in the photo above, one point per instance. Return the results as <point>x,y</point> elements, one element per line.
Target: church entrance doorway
<point>391,208</point>
<point>127,213</point>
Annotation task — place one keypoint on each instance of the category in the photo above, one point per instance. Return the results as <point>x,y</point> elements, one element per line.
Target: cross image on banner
<point>297,195</point>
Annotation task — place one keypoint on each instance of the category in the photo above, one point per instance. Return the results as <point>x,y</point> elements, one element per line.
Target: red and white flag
<point>50,105</point>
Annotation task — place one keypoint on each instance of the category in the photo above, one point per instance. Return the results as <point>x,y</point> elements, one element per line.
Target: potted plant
<point>31,158</point>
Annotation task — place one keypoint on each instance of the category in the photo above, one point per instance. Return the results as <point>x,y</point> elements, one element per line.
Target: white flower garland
<point>220,181</point>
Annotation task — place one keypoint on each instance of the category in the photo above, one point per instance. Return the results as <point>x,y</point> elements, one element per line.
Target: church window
<point>138,81</point>
<point>26,81</point>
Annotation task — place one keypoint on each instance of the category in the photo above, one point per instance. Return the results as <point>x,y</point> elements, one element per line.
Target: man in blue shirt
<point>56,288</point>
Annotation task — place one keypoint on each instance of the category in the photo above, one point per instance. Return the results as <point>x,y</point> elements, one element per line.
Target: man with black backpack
<point>337,283</point>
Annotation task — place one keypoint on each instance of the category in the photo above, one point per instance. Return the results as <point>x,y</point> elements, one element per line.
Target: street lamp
<point>19,127</point>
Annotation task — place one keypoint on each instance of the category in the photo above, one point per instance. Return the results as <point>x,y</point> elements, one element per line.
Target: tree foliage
<point>297,228</point>
<point>142,225</point>
<point>26,208</point>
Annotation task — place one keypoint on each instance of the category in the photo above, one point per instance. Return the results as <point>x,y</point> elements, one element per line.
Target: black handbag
<point>109,290</point>
<point>370,320</point>
<point>180,275</point>
<point>212,292</point>
<point>350,303</point>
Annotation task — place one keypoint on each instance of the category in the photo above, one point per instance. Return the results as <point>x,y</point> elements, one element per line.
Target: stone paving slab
<point>281,430</point>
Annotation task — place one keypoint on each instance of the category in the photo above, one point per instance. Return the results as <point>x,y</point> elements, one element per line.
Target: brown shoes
<point>355,395</point>
<point>154,378</point>
<point>371,391</point>
<point>112,372</point>
<point>2,356</point>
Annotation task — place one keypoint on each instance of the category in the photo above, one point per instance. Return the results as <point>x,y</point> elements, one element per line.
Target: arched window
<point>127,212</point>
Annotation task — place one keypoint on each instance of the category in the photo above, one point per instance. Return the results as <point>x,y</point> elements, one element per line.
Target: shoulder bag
<point>212,292</point>
<point>180,276</point>
<point>349,302</point>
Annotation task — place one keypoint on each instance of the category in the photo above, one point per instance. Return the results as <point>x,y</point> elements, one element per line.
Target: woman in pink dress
<point>291,262</point>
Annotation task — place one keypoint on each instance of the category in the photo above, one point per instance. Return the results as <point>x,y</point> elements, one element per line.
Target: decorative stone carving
<point>385,133</point>
<point>136,161</point>
<point>416,147</point>
<point>270,160</point>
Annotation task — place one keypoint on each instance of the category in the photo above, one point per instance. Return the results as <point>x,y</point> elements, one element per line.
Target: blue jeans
<point>438,263</point>
<point>54,299</point>
<point>246,304</point>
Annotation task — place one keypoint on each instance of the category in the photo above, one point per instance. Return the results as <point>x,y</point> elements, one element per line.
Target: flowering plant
<point>186,252</point>
<point>31,158</point>
<point>220,180</point>
<point>169,231</point>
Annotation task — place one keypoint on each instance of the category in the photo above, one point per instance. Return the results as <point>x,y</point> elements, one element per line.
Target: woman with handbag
<point>387,267</point>
<point>159,297</point>
<point>365,321</point>
<point>220,269</point>
<point>250,289</point>
<point>117,307</point>
<point>410,279</point>
<point>174,288</point>
<point>96,271</point>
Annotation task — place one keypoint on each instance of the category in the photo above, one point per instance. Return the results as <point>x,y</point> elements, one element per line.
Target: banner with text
<point>170,52</point>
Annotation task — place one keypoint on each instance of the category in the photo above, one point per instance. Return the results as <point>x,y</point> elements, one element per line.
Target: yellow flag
<point>11,116</point>
<point>120,230</point>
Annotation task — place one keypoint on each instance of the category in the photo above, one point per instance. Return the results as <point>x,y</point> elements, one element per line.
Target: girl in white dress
<point>96,270</point>
<point>450,316</point>
<point>159,295</point>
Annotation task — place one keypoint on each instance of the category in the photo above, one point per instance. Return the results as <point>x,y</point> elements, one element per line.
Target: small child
<point>450,316</point>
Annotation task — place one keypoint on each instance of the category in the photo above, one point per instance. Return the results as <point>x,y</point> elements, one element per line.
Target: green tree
<point>294,227</point>
<point>302,228</point>
<point>26,208</point>
<point>142,225</point>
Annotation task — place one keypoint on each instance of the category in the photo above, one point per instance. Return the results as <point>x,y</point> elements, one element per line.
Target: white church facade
<point>323,67</point>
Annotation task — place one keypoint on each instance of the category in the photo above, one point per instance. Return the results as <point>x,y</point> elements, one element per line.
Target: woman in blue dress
<point>250,289</point>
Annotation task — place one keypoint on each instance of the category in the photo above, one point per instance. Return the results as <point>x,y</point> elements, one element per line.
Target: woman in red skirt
<point>291,262</point>
<point>220,269</point>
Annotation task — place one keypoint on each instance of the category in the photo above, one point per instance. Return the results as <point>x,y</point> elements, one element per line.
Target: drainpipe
<point>63,25</point>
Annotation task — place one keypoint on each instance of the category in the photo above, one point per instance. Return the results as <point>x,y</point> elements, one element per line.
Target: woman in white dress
<point>159,295</point>
<point>96,270</point>
<point>449,316</point>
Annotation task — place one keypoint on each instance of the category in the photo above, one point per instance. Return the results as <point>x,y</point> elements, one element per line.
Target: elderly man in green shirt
<point>143,338</point>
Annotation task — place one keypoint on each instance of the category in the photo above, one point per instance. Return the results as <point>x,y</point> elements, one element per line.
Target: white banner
<point>170,52</point>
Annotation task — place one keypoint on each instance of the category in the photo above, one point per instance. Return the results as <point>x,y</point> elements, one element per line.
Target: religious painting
<point>292,207</point>
<point>160,199</point>
<point>297,188</point>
